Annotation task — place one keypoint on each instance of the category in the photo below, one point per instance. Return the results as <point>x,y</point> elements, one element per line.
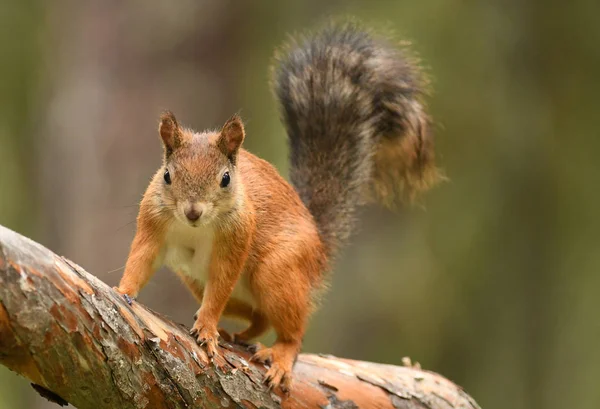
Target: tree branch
<point>71,334</point>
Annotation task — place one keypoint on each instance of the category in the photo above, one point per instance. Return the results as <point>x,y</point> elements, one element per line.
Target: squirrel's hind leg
<point>285,301</point>
<point>259,324</point>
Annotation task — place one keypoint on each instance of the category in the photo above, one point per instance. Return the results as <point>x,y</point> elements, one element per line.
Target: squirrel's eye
<point>226,179</point>
<point>167,177</point>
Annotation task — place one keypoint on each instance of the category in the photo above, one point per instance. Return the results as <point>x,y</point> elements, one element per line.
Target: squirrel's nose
<point>193,214</point>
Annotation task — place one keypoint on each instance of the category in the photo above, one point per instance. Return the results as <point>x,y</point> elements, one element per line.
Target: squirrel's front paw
<point>206,336</point>
<point>129,299</point>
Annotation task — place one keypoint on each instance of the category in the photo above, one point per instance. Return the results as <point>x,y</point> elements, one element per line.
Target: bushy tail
<point>357,127</point>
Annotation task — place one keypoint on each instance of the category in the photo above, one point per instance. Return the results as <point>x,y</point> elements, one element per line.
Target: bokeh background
<point>493,281</point>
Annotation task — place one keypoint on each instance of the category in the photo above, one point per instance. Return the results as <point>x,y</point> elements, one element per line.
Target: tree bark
<point>79,342</point>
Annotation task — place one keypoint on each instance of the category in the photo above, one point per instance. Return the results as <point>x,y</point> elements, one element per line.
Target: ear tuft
<point>232,135</point>
<point>170,132</point>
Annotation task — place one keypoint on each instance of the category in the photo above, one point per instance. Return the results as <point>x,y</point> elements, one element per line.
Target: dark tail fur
<point>357,126</point>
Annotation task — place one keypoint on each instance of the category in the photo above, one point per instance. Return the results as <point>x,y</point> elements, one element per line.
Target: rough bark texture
<point>71,334</point>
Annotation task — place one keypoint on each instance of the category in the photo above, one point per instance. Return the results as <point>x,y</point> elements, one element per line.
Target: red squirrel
<point>251,245</point>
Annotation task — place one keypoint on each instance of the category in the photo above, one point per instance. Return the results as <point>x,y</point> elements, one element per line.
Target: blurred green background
<point>493,282</point>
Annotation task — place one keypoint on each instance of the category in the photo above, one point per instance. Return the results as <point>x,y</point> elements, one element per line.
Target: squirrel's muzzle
<point>193,213</point>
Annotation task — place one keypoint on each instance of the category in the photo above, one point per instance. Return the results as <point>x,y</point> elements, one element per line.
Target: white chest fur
<point>187,250</point>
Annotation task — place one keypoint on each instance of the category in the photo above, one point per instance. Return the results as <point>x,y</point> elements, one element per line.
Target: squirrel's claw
<point>253,348</point>
<point>205,338</point>
<point>276,377</point>
<point>279,373</point>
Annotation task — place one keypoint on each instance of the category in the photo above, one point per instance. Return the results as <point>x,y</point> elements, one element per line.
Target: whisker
<point>125,225</point>
<point>115,270</point>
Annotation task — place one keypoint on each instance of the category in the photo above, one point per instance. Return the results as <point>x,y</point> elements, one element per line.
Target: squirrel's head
<point>199,180</point>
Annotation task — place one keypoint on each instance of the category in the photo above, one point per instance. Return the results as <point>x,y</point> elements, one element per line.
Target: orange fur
<point>262,235</point>
<point>144,249</point>
<point>246,242</point>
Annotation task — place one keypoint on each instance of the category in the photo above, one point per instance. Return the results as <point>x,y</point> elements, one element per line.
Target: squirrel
<point>247,243</point>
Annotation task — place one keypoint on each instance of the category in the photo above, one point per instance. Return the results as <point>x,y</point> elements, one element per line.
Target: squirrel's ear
<point>232,136</point>
<point>170,132</point>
